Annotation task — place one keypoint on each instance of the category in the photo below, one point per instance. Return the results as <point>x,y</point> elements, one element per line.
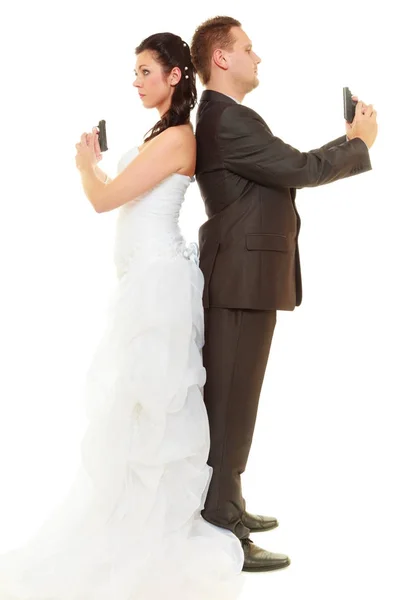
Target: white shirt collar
<point>237,101</point>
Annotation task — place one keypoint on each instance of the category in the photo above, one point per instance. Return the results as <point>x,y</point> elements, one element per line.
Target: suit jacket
<point>248,178</point>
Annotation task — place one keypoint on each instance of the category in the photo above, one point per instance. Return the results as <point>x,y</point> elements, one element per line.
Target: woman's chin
<point>146,103</point>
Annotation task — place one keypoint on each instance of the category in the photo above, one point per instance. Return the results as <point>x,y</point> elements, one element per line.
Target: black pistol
<point>102,136</point>
<point>349,105</point>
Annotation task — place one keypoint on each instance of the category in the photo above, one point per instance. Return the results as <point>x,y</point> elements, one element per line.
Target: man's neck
<point>227,92</point>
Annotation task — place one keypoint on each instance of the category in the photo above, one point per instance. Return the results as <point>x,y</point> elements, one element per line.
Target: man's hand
<point>364,124</point>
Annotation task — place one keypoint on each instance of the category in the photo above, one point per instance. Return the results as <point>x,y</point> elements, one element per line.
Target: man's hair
<point>213,33</point>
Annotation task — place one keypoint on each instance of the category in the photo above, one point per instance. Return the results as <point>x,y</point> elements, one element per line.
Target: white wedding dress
<point>130,527</point>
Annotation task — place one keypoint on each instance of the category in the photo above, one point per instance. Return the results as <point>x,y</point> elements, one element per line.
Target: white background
<point>325,453</point>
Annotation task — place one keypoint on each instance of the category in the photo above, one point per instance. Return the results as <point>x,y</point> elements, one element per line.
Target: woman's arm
<point>167,154</point>
<point>103,177</point>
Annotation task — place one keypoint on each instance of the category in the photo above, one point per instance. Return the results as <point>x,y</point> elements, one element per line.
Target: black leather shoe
<point>258,523</point>
<point>258,559</point>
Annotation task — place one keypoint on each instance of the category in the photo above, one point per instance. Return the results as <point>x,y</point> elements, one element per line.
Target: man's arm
<point>337,142</point>
<point>250,150</point>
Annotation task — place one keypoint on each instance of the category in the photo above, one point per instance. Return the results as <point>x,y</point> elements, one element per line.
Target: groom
<point>249,255</point>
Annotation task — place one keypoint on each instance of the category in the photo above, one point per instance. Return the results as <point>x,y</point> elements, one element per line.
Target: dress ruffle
<point>130,527</point>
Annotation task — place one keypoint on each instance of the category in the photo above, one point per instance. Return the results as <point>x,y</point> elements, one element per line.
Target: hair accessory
<point>184,44</point>
<point>186,68</point>
<point>186,76</point>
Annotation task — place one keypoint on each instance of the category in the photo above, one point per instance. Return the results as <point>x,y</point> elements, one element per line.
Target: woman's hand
<point>88,150</point>
<point>97,150</point>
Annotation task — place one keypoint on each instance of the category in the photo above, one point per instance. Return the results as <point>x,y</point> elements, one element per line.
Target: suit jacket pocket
<point>267,241</point>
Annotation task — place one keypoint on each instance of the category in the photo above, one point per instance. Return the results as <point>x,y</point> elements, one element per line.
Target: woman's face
<point>154,87</point>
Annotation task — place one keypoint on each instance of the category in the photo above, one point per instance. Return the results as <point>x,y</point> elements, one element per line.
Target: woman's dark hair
<point>171,51</point>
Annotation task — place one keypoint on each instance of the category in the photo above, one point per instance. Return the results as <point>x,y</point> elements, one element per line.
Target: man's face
<point>243,61</point>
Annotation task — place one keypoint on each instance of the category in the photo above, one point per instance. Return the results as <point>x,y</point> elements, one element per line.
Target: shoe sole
<point>266,568</point>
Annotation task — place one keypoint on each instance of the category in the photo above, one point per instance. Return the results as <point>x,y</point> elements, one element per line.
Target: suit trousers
<point>235,355</point>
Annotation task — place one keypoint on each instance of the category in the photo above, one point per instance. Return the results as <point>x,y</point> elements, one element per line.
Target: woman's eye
<point>145,71</point>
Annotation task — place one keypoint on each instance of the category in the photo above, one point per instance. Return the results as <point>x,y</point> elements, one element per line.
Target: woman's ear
<point>175,76</point>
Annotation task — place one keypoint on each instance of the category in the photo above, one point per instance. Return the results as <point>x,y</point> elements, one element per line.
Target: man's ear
<point>219,59</point>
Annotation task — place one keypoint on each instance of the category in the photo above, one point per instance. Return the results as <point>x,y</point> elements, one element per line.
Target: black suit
<point>250,260</point>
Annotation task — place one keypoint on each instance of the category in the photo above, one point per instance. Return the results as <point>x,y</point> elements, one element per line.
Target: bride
<point>130,526</point>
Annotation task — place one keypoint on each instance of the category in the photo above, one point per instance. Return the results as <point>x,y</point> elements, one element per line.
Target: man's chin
<point>254,84</point>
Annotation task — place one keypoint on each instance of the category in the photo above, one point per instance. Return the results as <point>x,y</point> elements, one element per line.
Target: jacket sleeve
<point>337,142</point>
<point>250,150</point>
